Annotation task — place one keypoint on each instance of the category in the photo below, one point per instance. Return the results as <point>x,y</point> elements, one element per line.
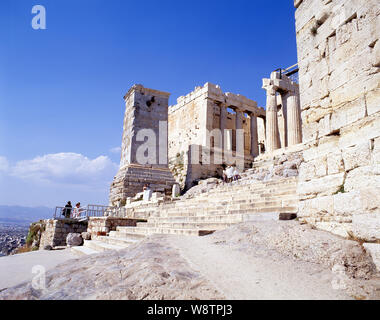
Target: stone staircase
<point>217,209</point>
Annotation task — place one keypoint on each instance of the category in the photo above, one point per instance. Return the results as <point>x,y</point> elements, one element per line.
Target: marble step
<point>124,233</point>
<point>186,225</point>
<point>213,211</point>
<point>187,232</point>
<point>101,246</point>
<point>117,241</point>
<point>209,219</point>
<point>83,251</point>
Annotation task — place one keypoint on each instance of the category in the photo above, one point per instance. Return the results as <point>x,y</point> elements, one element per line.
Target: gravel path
<point>243,276</point>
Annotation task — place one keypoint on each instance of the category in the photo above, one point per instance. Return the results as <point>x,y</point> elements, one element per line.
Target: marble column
<point>272,132</point>
<point>294,120</point>
<point>254,136</point>
<point>223,124</point>
<point>239,126</point>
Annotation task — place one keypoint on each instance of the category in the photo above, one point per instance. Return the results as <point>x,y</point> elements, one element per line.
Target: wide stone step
<point>122,242</point>
<point>274,191</point>
<point>186,225</point>
<point>198,219</point>
<point>187,232</point>
<point>83,251</point>
<point>195,203</point>
<point>101,246</point>
<point>230,211</point>
<point>126,233</point>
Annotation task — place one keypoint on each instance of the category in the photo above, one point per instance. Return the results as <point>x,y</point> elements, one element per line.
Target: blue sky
<point>61,89</point>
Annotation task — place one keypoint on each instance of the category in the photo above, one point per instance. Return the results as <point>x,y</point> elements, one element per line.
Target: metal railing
<point>291,72</point>
<point>91,210</point>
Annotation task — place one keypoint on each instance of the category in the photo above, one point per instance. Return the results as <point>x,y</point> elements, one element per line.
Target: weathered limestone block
<point>376,55</point>
<point>356,156</point>
<point>362,178</point>
<point>348,113</point>
<point>373,101</point>
<point>374,251</point>
<point>348,203</point>
<point>360,132</point>
<point>316,207</point>
<point>324,186</point>
<point>366,226</point>
<point>307,171</point>
<point>335,163</point>
<point>340,229</point>
<point>325,147</point>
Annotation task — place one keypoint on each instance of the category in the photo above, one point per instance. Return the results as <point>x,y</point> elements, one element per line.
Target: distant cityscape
<point>14,225</point>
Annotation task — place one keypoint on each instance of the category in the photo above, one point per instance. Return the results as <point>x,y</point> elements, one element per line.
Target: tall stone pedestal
<point>144,155</point>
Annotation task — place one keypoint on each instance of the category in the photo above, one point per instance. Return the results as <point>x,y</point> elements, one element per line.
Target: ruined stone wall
<point>339,59</point>
<point>100,226</point>
<point>189,121</point>
<point>56,231</point>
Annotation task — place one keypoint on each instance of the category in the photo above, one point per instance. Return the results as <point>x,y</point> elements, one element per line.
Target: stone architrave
<point>144,157</point>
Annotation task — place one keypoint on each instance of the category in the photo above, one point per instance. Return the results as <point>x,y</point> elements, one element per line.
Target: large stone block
<point>327,185</point>
<point>366,226</point>
<point>316,207</point>
<point>347,203</point>
<point>362,178</point>
<point>374,250</point>
<point>335,163</point>
<point>356,156</point>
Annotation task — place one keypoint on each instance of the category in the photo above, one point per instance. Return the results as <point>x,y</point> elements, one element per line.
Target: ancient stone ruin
<point>312,153</point>
<point>141,163</point>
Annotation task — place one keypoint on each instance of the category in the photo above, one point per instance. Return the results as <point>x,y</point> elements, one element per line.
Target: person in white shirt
<point>230,173</point>
<point>236,174</point>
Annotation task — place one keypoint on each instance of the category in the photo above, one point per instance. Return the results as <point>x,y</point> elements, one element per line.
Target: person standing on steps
<point>77,211</point>
<point>66,212</point>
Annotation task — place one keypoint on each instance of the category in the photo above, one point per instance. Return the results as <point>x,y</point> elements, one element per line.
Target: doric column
<point>294,120</point>
<point>223,124</point>
<point>272,133</point>
<point>254,136</point>
<point>239,126</point>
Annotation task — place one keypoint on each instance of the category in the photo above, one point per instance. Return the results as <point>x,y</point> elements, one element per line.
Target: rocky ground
<point>256,260</point>
<point>12,236</point>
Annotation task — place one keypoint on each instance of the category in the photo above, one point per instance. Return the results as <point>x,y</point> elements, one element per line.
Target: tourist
<point>236,176</point>
<point>224,174</point>
<point>230,173</point>
<point>77,211</point>
<point>66,212</point>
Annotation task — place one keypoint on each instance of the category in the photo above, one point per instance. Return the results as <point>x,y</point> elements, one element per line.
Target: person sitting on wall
<point>230,173</point>
<point>224,174</point>
<point>77,211</point>
<point>236,174</point>
<point>66,212</point>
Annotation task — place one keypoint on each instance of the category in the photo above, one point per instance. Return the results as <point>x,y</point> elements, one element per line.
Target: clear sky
<point>61,89</point>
